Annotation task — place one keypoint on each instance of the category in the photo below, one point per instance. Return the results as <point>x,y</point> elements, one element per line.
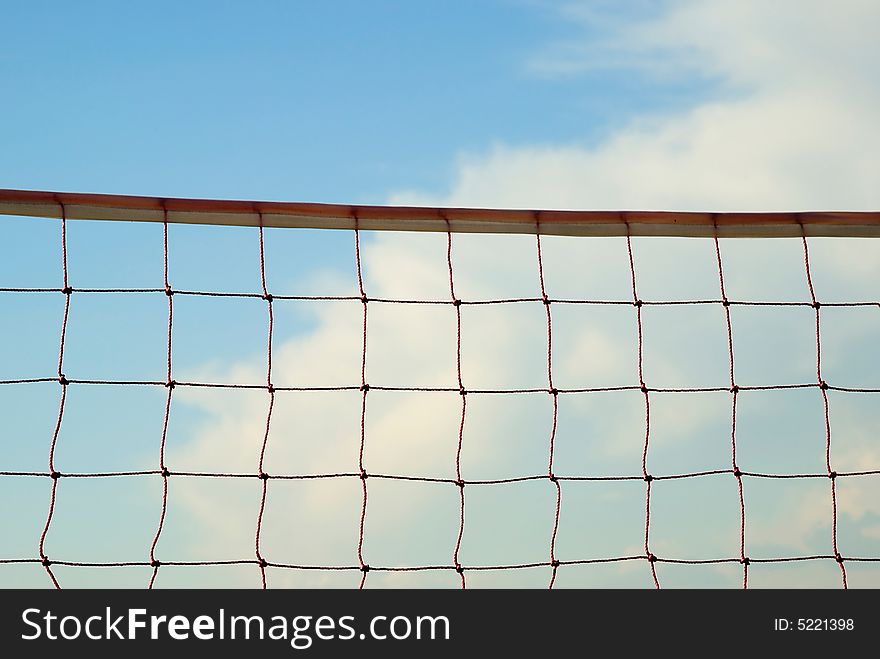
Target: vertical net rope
<point>648,478</point>
<point>169,384</point>
<point>734,391</point>
<point>264,477</point>
<point>554,393</point>
<point>456,303</point>
<point>823,387</point>
<point>365,388</point>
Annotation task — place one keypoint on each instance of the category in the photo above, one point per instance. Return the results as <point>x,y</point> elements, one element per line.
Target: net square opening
<point>317,343</point>
<point>24,502</point>
<point>594,346</point>
<point>217,430</point>
<point>714,575</point>
<point>695,518</point>
<point>773,345</point>
<point>504,346</point>
<point>309,262</point>
<point>313,522</point>
<point>214,258</point>
<point>495,266</point>
<point>101,577</point>
<point>623,574</point>
<point>854,420</point>
<point>600,434</point>
<point>30,334</point>
<point>850,357</point>
<point>858,515</point>
<point>685,346</point>
<point>110,428</point>
<point>115,254</point>
<point>781,431</point>
<point>411,345</point>
<point>422,256</point>
<point>689,432</point>
<point>586,268</point>
<point>116,337</point>
<point>817,573</point>
<point>845,269</point>
<point>788,518</point>
<point>764,269</point>
<point>506,435</point>
<point>411,433</point>
<point>411,523</point>
<point>103,519</point>
<point>316,432</point>
<point>508,524</point>
<point>29,414</point>
<point>694,277</point>
<point>207,519</point>
<point>219,340</point>
<point>600,519</point>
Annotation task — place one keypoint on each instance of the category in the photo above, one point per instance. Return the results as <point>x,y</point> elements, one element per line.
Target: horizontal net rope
<point>712,226</point>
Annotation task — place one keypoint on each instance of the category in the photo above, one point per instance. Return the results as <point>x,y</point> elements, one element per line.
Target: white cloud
<point>795,129</point>
<point>798,133</point>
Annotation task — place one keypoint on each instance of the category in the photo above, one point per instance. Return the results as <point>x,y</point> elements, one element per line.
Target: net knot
<point>271,388</point>
<point>364,299</point>
<point>365,568</point>
<point>456,302</point>
<point>168,291</point>
<point>823,385</point>
<point>365,387</point>
<point>734,389</point>
<point>652,558</point>
<point>171,384</point>
<point>832,475</point>
<point>55,475</point>
<point>364,475</point>
<point>46,562</point>
<point>737,472</point>
<point>648,478</point>
<point>838,557</point>
<point>264,476</point>
<point>67,290</point>
<point>462,391</point>
<point>459,568</point>
<point>460,483</point>
<point>165,472</point>
<point>638,303</point>
<point>545,300</point>
<point>553,478</point>
<point>553,391</point>
<point>554,563</point>
<point>745,560</point>
<point>268,297</point>
<point>155,563</point>
<point>63,381</point>
<point>817,305</point>
<point>725,302</point>
<point>263,563</point>
<point>643,388</point>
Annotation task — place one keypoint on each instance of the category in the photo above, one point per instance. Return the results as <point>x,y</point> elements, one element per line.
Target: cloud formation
<point>792,126</point>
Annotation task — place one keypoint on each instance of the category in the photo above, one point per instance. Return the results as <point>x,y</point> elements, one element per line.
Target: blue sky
<point>338,101</point>
<point>659,105</point>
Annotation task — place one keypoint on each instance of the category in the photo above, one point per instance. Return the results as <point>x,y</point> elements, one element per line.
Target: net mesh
<point>553,562</point>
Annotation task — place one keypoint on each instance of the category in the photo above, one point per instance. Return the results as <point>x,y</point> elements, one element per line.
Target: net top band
<point>413,218</point>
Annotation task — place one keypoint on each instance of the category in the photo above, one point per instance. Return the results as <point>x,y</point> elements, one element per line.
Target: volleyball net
<point>457,436</point>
